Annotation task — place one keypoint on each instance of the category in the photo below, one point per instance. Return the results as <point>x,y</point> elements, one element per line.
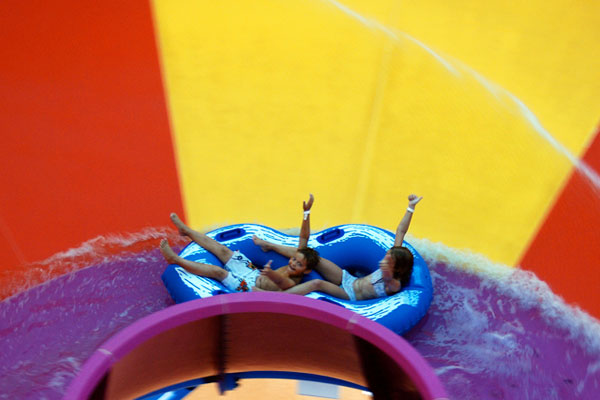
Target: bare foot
<point>183,228</point>
<point>264,246</point>
<point>168,252</point>
<point>257,289</point>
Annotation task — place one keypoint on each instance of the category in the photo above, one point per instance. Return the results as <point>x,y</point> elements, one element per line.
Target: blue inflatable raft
<point>356,248</point>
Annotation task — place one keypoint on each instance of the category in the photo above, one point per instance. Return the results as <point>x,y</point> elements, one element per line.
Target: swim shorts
<point>242,274</point>
<point>348,284</point>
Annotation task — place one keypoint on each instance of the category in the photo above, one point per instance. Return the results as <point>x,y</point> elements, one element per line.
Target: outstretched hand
<point>307,205</point>
<point>413,199</point>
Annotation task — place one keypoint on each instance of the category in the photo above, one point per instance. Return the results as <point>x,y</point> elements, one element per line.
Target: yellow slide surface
<point>474,105</point>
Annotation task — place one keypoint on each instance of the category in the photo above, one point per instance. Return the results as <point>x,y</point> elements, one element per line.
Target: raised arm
<point>405,222</point>
<point>289,251</point>
<point>305,229</point>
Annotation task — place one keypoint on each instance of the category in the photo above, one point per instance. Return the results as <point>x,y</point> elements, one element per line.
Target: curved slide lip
<point>398,349</point>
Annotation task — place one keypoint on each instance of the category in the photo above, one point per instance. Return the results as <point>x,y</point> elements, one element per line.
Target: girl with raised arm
<point>393,274</point>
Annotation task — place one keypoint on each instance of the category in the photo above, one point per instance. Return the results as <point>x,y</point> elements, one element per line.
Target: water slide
<point>251,333</point>
<point>114,115</point>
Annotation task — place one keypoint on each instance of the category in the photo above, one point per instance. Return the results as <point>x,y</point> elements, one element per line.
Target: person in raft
<point>238,273</point>
<point>393,274</point>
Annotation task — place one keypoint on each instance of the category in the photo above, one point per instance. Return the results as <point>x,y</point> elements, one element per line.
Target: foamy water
<point>492,331</point>
<point>499,332</point>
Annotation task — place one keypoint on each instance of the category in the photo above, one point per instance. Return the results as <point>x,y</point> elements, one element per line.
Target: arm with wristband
<point>405,222</point>
<point>305,228</point>
<point>289,251</point>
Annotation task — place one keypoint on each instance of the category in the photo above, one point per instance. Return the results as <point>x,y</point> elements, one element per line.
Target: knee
<point>317,285</point>
<point>219,274</point>
<point>224,253</point>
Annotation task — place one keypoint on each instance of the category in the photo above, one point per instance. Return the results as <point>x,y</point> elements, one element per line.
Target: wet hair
<point>403,264</point>
<point>312,257</point>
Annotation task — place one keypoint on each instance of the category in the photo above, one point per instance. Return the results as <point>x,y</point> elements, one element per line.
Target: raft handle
<point>230,234</point>
<point>330,235</point>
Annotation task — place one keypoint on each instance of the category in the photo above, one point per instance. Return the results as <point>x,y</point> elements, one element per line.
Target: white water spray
<point>592,176</point>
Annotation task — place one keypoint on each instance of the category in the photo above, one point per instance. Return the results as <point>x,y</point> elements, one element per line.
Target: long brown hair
<point>403,264</point>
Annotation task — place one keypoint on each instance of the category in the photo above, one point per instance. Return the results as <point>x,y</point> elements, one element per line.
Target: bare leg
<point>330,271</point>
<point>222,252</point>
<point>317,285</point>
<point>286,251</point>
<point>206,270</point>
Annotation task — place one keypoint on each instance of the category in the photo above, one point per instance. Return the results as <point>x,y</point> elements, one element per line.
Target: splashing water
<point>499,332</point>
<point>491,332</point>
<point>93,251</point>
<point>90,293</point>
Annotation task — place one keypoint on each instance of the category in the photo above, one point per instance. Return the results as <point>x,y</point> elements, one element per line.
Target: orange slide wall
<point>564,253</point>
<point>86,146</point>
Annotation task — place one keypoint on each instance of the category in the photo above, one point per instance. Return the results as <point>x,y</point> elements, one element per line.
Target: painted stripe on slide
<point>565,252</point>
<point>86,146</point>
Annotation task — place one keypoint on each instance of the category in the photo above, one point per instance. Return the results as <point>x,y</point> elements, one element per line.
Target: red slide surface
<point>564,253</point>
<point>86,146</point>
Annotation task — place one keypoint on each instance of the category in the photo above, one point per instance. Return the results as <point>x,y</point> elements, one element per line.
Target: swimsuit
<point>348,284</point>
<point>242,274</point>
<point>376,281</point>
